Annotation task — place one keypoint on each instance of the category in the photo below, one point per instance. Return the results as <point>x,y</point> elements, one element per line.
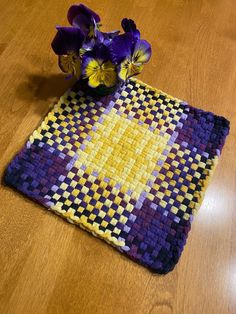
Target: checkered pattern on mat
<point>131,168</point>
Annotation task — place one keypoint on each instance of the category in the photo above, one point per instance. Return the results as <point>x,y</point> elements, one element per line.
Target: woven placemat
<point>131,168</point>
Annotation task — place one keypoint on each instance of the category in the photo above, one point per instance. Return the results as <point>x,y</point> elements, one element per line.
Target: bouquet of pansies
<point>102,61</point>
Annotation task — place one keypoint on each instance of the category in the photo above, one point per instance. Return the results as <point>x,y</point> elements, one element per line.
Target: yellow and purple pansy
<point>67,44</point>
<point>129,52</point>
<point>98,68</point>
<point>102,59</point>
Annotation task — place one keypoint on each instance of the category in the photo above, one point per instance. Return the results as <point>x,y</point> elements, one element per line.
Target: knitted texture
<point>131,168</point>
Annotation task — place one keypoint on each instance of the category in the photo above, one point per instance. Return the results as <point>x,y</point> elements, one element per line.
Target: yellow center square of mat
<point>123,151</point>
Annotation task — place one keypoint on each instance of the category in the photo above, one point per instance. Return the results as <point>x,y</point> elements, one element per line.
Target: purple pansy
<point>84,18</point>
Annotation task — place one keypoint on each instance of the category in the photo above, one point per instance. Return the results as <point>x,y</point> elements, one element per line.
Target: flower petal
<point>80,14</point>
<point>65,64</point>
<point>67,39</point>
<point>121,47</point>
<point>123,69</point>
<point>142,52</point>
<point>109,75</point>
<point>128,69</point>
<point>134,69</point>
<point>99,72</point>
<point>94,80</point>
<point>89,67</point>
<point>70,64</point>
<point>129,26</point>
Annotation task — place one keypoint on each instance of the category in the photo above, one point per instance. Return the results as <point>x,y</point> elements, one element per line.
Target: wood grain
<point>50,266</point>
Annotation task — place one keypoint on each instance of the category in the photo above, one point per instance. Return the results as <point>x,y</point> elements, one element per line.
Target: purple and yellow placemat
<point>131,168</point>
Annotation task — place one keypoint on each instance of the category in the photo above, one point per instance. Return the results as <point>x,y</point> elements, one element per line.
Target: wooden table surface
<point>50,266</point>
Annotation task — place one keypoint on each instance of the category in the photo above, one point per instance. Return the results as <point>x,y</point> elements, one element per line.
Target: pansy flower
<point>67,44</point>
<point>97,68</point>
<point>130,53</point>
